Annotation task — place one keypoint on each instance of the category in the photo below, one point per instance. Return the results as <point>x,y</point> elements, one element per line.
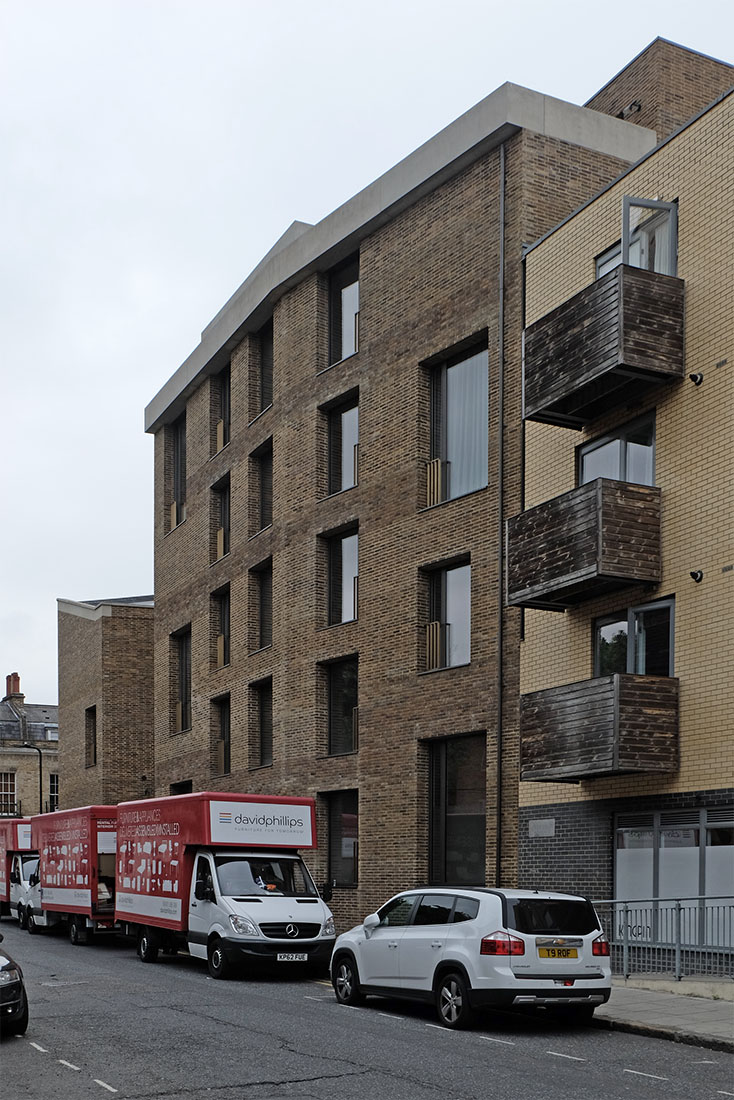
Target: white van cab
<point>468,949</point>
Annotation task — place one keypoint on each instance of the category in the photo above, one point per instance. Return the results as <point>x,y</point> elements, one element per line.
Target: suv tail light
<point>500,943</point>
<point>600,945</point>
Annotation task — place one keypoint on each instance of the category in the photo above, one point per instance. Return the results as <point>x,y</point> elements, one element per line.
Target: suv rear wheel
<point>452,1001</point>
<point>346,981</point>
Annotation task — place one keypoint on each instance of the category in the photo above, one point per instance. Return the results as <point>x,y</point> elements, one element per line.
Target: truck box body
<point>158,839</point>
<point>15,837</point>
<point>77,859</point>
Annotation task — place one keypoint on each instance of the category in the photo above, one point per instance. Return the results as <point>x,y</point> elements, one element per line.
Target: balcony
<point>597,538</point>
<point>603,347</point>
<point>612,725</point>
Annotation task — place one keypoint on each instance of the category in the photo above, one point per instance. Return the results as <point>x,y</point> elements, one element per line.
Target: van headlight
<point>243,926</point>
<point>329,929</point>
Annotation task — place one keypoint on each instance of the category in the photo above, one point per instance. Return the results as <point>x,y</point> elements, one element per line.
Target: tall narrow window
<point>53,792</point>
<point>448,635</point>
<point>264,580</point>
<point>221,613</point>
<point>222,743</point>
<point>182,686</point>
<point>457,822</point>
<point>223,397</point>
<point>343,837</point>
<point>266,365</point>
<point>344,311</point>
<point>343,713</point>
<point>639,640</point>
<point>343,447</point>
<point>625,455</point>
<point>7,794</point>
<point>343,577</point>
<point>178,442</point>
<point>261,500</point>
<point>221,518</point>
<point>261,745</point>
<point>90,737</point>
<point>459,427</point>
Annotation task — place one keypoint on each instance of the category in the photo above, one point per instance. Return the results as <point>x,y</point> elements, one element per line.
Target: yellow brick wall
<point>694,456</point>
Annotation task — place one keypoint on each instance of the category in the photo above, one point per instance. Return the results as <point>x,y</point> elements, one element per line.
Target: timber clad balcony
<point>612,725</point>
<point>597,538</point>
<point>603,347</point>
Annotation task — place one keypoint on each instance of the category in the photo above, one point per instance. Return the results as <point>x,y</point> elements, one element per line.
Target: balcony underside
<point>611,725</point>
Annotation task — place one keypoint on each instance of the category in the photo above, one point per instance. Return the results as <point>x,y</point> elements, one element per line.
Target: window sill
<point>179,733</point>
<point>259,767</point>
<point>261,413</point>
<point>261,649</point>
<point>338,363</point>
<point>443,668</point>
<point>217,560</point>
<point>220,451</point>
<point>342,622</point>
<point>221,775</point>
<point>450,500</point>
<point>338,492</point>
<point>172,529</point>
<point>338,755</point>
<point>267,527</point>
<point>220,668</point>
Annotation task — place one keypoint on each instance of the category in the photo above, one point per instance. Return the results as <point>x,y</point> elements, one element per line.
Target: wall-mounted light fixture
<point>697,575</point>
<point>697,379</point>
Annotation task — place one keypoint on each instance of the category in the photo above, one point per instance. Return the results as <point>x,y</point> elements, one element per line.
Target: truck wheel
<point>452,1001</point>
<point>22,917</point>
<point>31,923</point>
<point>147,947</point>
<point>218,966</point>
<point>78,931</point>
<point>346,981</point>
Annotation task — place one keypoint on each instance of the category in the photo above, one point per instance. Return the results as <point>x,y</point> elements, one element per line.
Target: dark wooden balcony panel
<point>597,538</point>
<point>612,725</point>
<point>604,347</point>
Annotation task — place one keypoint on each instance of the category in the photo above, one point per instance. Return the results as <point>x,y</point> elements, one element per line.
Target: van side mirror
<point>199,891</point>
<point>14,878</point>
<point>326,892</point>
<point>34,879</point>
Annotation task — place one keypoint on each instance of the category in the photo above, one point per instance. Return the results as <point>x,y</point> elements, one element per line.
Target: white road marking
<point>391,1016</point>
<point>104,1085</point>
<point>440,1028</point>
<point>319,999</point>
<point>69,1065</point>
<point>505,1042</point>
<point>638,1073</point>
<point>42,1049</point>
<point>571,1057</point>
<point>704,1062</point>
<point>720,1093</point>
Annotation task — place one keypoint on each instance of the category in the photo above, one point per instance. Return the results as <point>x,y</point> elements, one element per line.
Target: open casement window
<point>448,634</point>
<point>344,311</point>
<point>638,640</point>
<point>459,427</point>
<point>627,454</point>
<point>343,577</point>
<point>649,238</point>
<point>222,744</point>
<point>457,812</point>
<point>343,447</point>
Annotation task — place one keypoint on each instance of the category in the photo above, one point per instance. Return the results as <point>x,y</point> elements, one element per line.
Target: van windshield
<point>551,915</point>
<point>277,877</point>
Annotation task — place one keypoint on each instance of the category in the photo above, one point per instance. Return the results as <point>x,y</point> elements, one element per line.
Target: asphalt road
<point>105,1024</point>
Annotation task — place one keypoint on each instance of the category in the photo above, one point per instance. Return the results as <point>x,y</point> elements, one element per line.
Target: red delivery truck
<point>18,861</point>
<point>220,876</point>
<point>76,871</point>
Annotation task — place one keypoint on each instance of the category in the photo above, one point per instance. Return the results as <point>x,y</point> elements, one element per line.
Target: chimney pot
<point>12,684</point>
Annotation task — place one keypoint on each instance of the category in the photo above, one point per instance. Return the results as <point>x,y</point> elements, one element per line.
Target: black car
<point>13,1000</point>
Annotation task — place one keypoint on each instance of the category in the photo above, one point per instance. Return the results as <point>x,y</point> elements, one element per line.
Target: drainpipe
<point>500,516</point>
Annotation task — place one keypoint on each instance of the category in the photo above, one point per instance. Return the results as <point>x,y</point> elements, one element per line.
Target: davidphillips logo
<point>225,817</point>
<point>282,821</point>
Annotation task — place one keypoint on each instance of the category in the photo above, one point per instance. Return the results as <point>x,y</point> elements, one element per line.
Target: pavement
<point>699,1013</point>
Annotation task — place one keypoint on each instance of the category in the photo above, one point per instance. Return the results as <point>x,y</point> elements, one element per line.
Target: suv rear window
<point>551,915</point>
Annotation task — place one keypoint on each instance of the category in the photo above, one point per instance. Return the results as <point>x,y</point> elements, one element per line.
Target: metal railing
<point>678,936</point>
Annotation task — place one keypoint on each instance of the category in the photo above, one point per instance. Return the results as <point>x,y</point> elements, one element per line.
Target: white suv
<point>467,949</point>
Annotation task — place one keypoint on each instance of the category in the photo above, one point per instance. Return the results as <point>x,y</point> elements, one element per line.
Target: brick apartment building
<point>334,466</point>
<point>106,700</point>
<point>623,556</point>
<point>29,744</point>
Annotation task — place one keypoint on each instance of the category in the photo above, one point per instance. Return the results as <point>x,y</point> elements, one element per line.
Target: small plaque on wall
<point>542,826</point>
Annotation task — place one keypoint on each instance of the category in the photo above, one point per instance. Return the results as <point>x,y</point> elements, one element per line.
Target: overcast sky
<point>153,151</point>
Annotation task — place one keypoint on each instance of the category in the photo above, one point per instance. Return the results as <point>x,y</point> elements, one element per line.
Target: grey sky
<point>153,151</point>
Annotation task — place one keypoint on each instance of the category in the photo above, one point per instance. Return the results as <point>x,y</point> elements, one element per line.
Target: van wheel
<point>219,968</point>
<point>22,917</point>
<point>452,1001</point>
<point>345,979</point>
<point>78,932</point>
<point>31,925</point>
<point>147,946</point>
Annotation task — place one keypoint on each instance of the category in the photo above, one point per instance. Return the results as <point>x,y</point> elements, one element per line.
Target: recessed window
<point>343,837</point>
<point>261,724</point>
<point>222,740</point>
<point>457,819</point>
<point>342,706</point>
<point>90,737</point>
<point>177,438</point>
<point>459,427</point>
<point>221,617</point>
<point>7,794</point>
<point>184,786</point>
<point>625,455</point>
<point>343,577</point>
<point>261,486</point>
<point>265,340</point>
<point>220,518</point>
<point>343,447</point>
<point>649,238</point>
<point>448,634</point>
<point>344,311</point>
<point>262,581</point>
<point>638,640</point>
<point>181,675</point>
<point>53,792</point>
<point>222,400</point>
